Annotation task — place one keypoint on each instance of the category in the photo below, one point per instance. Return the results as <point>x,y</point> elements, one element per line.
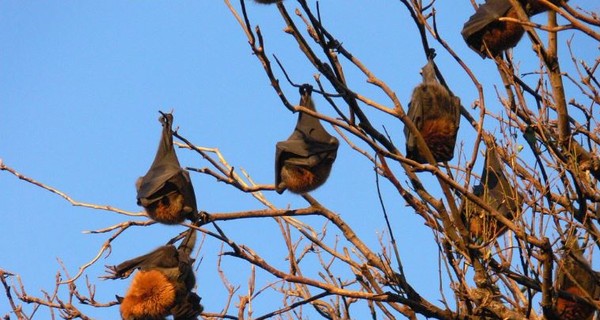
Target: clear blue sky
<point>80,86</point>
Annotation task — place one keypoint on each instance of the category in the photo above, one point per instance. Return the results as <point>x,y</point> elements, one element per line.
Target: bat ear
<point>119,299</point>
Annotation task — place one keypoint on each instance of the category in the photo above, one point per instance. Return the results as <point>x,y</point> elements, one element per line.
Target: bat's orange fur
<point>502,35</point>
<point>150,296</point>
<point>571,310</point>
<point>483,226</point>
<point>168,210</point>
<point>440,136</point>
<point>299,179</point>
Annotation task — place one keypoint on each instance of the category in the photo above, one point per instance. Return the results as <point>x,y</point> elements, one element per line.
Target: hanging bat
<point>436,114</point>
<point>303,161</point>
<point>166,191</point>
<point>483,31</point>
<point>495,190</point>
<point>575,276</point>
<point>162,285</point>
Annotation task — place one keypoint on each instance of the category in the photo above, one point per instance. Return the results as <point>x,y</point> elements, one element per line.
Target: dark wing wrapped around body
<point>163,283</point>
<point>484,31</point>
<point>436,114</point>
<point>575,276</point>
<point>304,160</point>
<point>496,190</point>
<point>166,191</point>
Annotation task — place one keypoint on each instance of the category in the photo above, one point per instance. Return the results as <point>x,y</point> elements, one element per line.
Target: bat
<point>483,31</point>
<point>166,191</point>
<point>436,114</point>
<point>495,190</point>
<point>575,276</point>
<point>162,285</point>
<point>303,161</point>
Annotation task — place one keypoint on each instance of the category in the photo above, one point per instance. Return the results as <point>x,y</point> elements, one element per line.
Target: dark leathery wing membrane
<point>166,191</point>
<point>436,114</point>
<point>162,284</point>
<point>498,192</point>
<point>303,161</point>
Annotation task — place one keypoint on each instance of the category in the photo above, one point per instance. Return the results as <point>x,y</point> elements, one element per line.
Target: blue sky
<point>81,84</point>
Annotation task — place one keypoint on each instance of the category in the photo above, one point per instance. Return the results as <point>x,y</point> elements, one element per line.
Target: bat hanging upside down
<point>303,161</point>
<point>436,114</point>
<point>162,285</point>
<point>166,191</point>
<point>496,190</point>
<point>484,31</point>
<point>575,276</point>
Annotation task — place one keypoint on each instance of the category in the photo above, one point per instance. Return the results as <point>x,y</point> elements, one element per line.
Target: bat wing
<point>309,145</point>
<point>187,245</point>
<point>421,96</point>
<point>576,276</point>
<point>415,114</point>
<point>312,152</point>
<point>183,184</point>
<point>165,164</point>
<point>500,193</point>
<point>487,13</point>
<point>189,308</point>
<point>165,174</point>
<point>167,258</point>
<point>495,189</point>
<point>162,257</point>
<point>456,110</point>
<point>154,184</point>
<point>575,264</point>
<point>309,138</point>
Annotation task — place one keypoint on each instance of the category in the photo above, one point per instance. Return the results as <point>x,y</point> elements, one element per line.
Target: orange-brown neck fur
<point>502,35</point>
<point>168,210</point>
<point>483,226</point>
<point>571,310</point>
<point>440,136</point>
<point>301,180</point>
<point>150,296</point>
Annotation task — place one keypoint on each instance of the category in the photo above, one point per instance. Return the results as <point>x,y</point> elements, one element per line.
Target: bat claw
<point>201,218</point>
<point>306,89</point>
<point>111,273</point>
<point>280,188</point>
<point>431,53</point>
